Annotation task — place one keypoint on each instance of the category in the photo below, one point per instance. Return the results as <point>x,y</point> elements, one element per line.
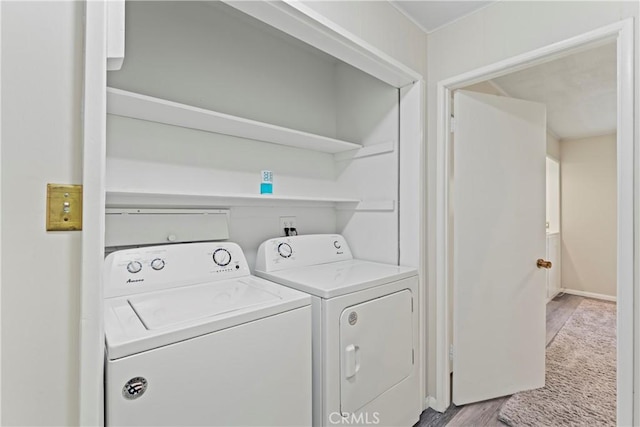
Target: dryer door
<point>376,348</point>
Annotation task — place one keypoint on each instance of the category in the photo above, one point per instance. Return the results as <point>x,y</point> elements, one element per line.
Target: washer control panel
<point>285,250</point>
<point>132,271</point>
<point>157,264</point>
<point>222,257</point>
<point>134,267</point>
<point>300,251</point>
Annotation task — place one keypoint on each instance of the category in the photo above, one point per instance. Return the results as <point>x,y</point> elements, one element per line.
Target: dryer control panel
<point>150,268</point>
<point>300,251</point>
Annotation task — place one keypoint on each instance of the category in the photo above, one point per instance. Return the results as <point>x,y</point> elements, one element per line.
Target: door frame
<point>0,208</point>
<point>628,172</point>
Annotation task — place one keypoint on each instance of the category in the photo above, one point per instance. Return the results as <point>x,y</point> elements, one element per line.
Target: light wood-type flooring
<point>486,413</point>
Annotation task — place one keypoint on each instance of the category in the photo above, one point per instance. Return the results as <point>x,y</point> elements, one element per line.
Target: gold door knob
<point>543,264</point>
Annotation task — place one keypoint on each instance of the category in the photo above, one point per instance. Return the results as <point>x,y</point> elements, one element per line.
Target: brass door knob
<point>543,264</point>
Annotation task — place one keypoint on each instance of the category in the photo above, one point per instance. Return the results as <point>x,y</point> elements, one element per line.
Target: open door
<point>498,236</point>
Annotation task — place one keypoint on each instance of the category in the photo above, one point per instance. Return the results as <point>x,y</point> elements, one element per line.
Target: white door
<point>376,341</point>
<point>498,235</point>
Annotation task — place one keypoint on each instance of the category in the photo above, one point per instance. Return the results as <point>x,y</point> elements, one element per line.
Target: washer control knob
<point>222,257</point>
<point>336,244</point>
<point>134,267</point>
<point>284,249</point>
<point>157,264</point>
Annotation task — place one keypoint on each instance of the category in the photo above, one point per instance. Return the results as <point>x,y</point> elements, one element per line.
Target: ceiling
<point>432,14</point>
<point>579,91</point>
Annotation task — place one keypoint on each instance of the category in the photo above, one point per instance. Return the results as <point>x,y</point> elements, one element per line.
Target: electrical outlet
<point>287,223</point>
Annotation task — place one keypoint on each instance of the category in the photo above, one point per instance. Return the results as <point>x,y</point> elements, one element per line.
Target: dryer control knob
<point>284,249</point>
<point>157,264</point>
<point>222,257</point>
<point>134,267</point>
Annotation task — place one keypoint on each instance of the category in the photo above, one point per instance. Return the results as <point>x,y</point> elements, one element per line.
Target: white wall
<point>210,55</point>
<point>41,143</point>
<point>589,215</point>
<point>553,196</point>
<point>381,25</point>
<point>213,56</point>
<point>553,146</point>
<point>497,32</point>
<point>367,111</point>
<point>144,155</point>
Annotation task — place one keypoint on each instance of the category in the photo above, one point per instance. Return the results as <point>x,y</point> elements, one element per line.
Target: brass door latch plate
<point>64,207</point>
<point>543,264</point>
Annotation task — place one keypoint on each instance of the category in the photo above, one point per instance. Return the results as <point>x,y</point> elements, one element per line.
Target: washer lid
<point>142,322</point>
<point>176,306</point>
<point>339,278</point>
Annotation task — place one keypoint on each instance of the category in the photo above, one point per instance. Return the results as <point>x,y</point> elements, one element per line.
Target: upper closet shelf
<point>137,106</point>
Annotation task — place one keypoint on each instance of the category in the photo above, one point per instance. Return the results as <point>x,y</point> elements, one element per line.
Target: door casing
<point>628,170</point>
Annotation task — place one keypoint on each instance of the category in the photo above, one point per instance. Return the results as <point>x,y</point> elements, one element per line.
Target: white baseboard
<point>554,295</point>
<point>589,295</point>
<point>432,403</point>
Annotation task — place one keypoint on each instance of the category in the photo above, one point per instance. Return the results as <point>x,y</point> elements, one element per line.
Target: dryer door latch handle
<point>351,360</point>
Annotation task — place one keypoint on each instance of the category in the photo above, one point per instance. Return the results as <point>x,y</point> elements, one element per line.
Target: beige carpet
<point>580,385</point>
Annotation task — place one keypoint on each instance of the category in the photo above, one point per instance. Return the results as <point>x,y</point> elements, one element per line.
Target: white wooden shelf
<point>118,198</point>
<point>143,107</point>
<point>145,199</point>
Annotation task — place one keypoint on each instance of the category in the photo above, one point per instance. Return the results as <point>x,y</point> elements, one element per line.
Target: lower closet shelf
<point>145,199</point>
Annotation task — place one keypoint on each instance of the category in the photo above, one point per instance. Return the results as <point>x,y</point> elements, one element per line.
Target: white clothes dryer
<point>193,339</point>
<point>365,329</point>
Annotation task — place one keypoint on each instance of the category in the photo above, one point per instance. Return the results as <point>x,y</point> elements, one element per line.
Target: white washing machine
<point>193,339</point>
<point>365,329</point>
